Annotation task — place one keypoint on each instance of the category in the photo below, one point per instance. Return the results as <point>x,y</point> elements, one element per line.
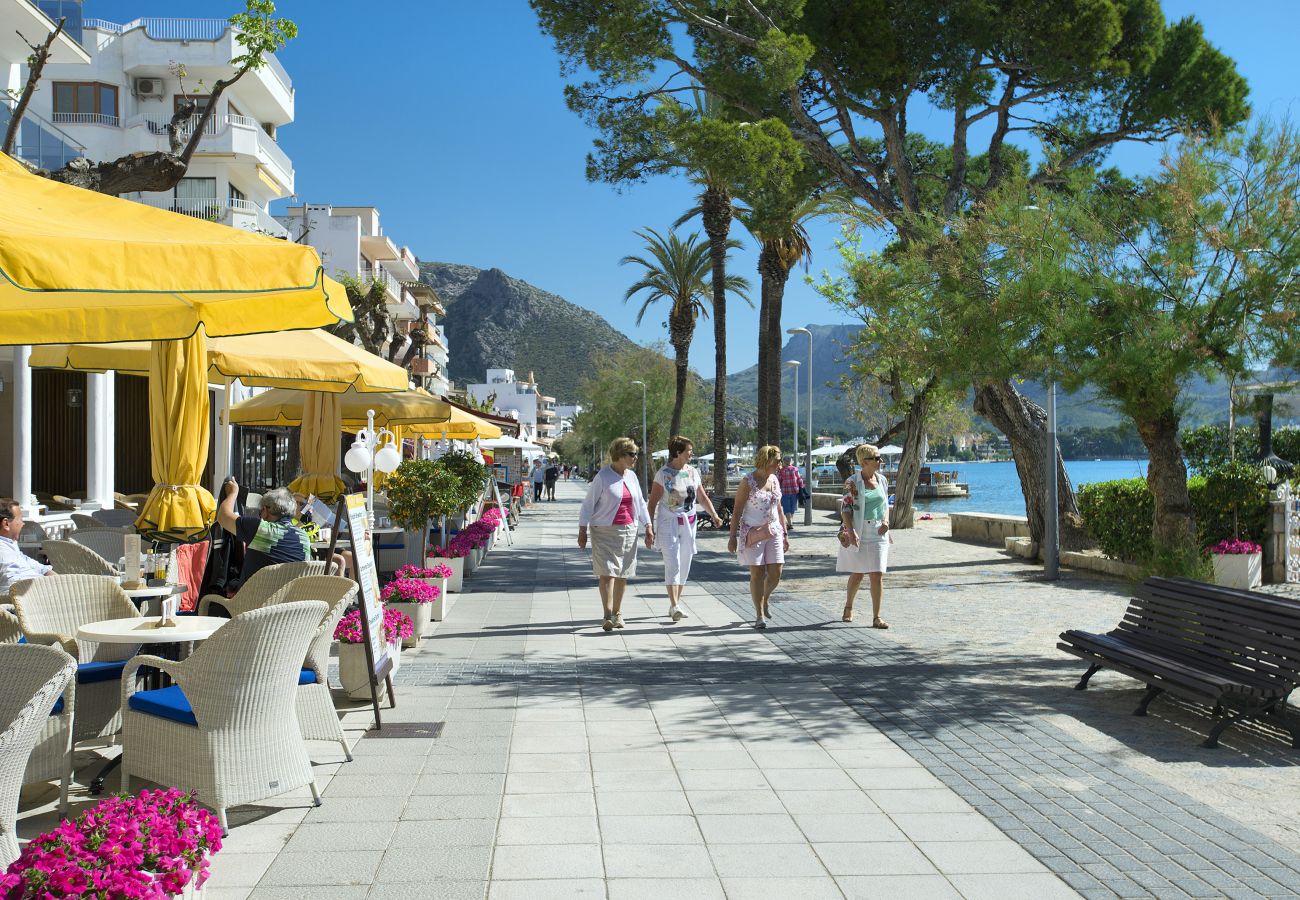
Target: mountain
<point>495,321</point>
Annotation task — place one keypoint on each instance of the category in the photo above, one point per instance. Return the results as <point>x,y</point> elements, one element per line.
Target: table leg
<point>97,784</point>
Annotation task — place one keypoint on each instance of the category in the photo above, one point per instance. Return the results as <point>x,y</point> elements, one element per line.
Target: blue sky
<point>449,118</point>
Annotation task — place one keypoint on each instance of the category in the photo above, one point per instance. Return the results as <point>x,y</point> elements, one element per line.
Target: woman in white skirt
<point>675,496</point>
<point>612,510</point>
<point>864,550</point>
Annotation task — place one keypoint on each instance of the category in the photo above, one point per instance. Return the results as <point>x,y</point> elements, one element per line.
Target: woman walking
<point>613,508</point>
<point>763,528</point>
<point>864,547</point>
<point>676,492</point>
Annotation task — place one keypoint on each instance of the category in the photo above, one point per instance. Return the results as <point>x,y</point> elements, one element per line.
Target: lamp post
<point>645,448</point>
<point>807,475</point>
<point>794,367</point>
<point>370,452</point>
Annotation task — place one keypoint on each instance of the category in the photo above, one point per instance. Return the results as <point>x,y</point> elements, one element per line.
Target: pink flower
<point>409,590</point>
<point>1232,548</point>
<point>397,626</point>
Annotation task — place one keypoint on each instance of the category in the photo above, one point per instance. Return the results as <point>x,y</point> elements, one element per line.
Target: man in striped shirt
<point>791,482</point>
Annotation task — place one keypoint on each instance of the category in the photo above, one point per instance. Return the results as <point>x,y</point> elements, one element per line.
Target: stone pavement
<point>946,757</point>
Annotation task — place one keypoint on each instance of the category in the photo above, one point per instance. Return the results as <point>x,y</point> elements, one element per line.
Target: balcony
<point>377,247</point>
<point>65,118</point>
<point>236,213</point>
<point>39,142</point>
<point>406,267</point>
<point>391,285</point>
<point>422,366</point>
<point>239,136</point>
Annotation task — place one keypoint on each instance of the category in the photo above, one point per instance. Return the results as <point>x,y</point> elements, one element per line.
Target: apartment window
<point>200,100</point>
<point>85,103</point>
<point>197,197</point>
<point>236,194</point>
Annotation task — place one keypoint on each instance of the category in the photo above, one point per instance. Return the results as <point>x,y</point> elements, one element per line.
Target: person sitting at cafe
<point>271,537</point>
<point>15,565</point>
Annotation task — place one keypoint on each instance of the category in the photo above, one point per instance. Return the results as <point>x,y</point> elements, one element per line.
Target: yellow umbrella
<point>319,447</point>
<point>178,509</point>
<point>462,425</point>
<point>79,266</point>
<point>309,360</point>
<point>285,407</point>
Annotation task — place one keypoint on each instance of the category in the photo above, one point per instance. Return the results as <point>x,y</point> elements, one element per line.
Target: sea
<point>994,487</point>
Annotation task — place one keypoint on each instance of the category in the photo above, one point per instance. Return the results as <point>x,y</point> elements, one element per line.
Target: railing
<point>218,125</point>
<point>39,142</point>
<point>213,210</point>
<point>67,118</point>
<point>378,273</point>
<point>102,25</point>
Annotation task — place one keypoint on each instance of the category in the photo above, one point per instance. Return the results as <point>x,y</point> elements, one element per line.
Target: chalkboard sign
<point>353,509</point>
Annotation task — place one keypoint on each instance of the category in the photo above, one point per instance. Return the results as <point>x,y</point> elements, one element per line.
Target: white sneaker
<point>675,613</point>
<point>618,620</point>
<point>760,622</point>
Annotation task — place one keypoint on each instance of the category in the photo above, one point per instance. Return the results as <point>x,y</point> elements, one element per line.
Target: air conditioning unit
<point>148,87</point>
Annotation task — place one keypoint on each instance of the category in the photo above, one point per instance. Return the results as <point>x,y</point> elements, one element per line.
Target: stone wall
<point>988,528</point>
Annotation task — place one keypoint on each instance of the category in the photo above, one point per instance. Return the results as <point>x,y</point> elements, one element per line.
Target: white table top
<point>142,630</point>
<point>162,590</point>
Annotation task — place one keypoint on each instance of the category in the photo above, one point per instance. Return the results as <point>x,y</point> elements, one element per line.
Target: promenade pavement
<point>945,757</point>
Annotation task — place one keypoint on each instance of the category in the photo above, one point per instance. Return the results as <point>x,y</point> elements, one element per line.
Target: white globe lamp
<point>357,459</point>
<point>387,459</point>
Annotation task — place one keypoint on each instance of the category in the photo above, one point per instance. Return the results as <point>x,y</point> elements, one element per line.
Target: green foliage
<point>1234,503</point>
<point>1206,447</point>
<point>260,33</point>
<point>1085,442</point>
<point>422,490</point>
<point>1117,515</point>
<point>1180,561</point>
<point>470,473</point>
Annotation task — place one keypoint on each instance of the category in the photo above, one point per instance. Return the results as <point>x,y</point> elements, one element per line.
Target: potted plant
<point>419,491</point>
<point>436,575</point>
<point>154,844</point>
<point>354,674</point>
<point>1238,564</point>
<point>453,557</point>
<point>414,598</point>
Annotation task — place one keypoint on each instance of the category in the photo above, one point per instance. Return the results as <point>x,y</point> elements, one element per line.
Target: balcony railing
<point>377,273</point>
<point>218,124</point>
<point>39,142</point>
<point>214,210</point>
<point>67,118</point>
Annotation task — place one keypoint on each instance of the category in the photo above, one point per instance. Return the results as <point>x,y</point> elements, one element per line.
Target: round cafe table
<point>142,631</point>
<point>141,595</point>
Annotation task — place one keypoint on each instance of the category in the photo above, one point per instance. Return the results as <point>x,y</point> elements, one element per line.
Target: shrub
<point>1118,516</point>
<point>1206,448</point>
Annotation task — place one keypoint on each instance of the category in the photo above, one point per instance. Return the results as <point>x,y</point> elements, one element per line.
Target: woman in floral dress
<point>763,530</point>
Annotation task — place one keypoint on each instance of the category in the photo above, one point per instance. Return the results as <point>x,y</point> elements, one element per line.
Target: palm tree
<point>679,271</point>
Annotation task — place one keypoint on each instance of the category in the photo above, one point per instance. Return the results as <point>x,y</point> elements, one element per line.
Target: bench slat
<point>1238,644</point>
<point>1282,618</point>
<point>1169,666</point>
<point>1228,666</point>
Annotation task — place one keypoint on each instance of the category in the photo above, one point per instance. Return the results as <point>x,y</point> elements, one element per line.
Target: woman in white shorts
<point>865,517</point>
<point>674,498</point>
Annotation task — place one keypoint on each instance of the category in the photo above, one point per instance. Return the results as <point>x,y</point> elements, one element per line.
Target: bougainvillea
<point>149,845</point>
<point>410,590</point>
<point>1230,548</point>
<point>414,571</point>
<point>397,626</point>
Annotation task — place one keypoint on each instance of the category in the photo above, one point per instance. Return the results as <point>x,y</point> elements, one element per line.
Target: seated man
<point>271,537</point>
<point>15,566</point>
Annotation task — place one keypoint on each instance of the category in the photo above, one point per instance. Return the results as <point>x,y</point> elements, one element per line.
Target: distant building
<point>521,400</point>
<point>565,414</point>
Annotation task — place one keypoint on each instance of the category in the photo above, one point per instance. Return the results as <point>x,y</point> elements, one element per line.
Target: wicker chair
<point>114,518</point>
<point>316,714</point>
<point>226,727</point>
<point>50,610</point>
<point>10,630</point>
<point>87,522</point>
<point>260,587</point>
<point>32,531</point>
<point>71,558</point>
<point>108,543</point>
<point>32,678</point>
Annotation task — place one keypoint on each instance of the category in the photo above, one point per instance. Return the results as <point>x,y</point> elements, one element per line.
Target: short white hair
<point>279,503</point>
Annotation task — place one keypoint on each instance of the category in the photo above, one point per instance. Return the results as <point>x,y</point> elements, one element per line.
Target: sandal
<point>848,616</point>
<point>878,622</point>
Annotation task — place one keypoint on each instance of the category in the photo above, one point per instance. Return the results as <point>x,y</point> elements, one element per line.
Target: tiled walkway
<point>706,759</point>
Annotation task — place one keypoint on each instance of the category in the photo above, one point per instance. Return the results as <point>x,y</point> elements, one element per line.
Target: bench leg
<point>1152,693</point>
<point>1083,682</point>
<point>1212,741</point>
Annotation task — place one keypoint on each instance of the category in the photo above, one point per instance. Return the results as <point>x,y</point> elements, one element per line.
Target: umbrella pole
<point>227,438</point>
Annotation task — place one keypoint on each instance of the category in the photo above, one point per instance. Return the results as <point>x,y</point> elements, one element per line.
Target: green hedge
<point>1118,514</point>
<point>1206,447</point>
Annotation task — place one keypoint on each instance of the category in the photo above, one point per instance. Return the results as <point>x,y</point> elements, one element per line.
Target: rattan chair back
<point>72,558</point>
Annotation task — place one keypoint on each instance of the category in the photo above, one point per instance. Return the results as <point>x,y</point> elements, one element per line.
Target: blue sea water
<point>994,487</point>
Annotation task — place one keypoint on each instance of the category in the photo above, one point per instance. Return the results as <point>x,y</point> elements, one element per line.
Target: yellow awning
<point>307,360</point>
<point>318,443</point>
<point>462,425</point>
<point>285,407</point>
<point>78,266</point>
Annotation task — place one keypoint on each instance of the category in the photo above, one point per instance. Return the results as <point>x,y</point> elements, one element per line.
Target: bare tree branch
<point>36,62</point>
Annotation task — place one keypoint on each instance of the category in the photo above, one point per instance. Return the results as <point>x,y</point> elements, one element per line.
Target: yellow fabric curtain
<point>318,442</point>
<point>397,430</point>
<point>178,509</point>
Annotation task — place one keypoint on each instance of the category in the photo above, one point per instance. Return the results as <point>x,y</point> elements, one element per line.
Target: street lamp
<point>645,449</point>
<point>807,475</point>
<point>370,452</point>
<point>794,367</point>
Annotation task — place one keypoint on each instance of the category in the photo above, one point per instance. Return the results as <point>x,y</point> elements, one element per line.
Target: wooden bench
<point>1234,650</point>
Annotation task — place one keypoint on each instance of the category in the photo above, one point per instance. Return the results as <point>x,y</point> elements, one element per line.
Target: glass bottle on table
<point>160,566</point>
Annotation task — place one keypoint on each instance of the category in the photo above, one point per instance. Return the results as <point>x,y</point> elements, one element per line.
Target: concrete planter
<point>421,615</point>
<point>1238,570</point>
<point>457,567</point>
<point>439,608</point>
<point>354,675</point>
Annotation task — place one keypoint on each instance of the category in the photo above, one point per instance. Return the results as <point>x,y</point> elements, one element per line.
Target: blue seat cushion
<point>166,703</point>
<point>93,672</point>
<point>307,676</point>
<point>58,706</point>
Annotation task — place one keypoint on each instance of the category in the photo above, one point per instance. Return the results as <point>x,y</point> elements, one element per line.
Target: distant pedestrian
<point>612,510</point>
<point>864,535</point>
<point>538,479</point>
<point>552,476</point>
<point>791,484</point>
<point>764,531</point>
<point>676,493</point>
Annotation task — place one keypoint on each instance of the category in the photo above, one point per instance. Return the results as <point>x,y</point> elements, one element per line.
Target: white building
<point>124,100</point>
<point>565,414</point>
<point>351,241</point>
<point>520,400</point>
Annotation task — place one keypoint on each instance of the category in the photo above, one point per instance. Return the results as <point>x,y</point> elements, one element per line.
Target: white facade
<point>124,100</point>
<point>565,414</point>
<point>520,400</point>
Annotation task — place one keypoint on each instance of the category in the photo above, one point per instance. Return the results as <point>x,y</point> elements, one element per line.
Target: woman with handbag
<point>864,534</point>
<point>676,494</point>
<point>613,508</point>
<point>763,530</point>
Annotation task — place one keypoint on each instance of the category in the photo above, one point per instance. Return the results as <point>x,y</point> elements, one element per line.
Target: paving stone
<point>533,861</point>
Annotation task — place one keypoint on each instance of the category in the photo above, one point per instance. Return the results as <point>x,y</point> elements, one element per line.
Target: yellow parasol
<point>319,447</point>
<point>78,266</point>
<point>463,426</point>
<point>285,407</point>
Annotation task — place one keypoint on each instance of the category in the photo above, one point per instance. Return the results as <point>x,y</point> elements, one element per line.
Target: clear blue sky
<point>449,118</point>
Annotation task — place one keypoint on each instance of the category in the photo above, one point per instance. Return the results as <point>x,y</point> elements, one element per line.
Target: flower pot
<point>421,615</point>
<point>354,674</point>
<point>1238,570</point>
<point>439,608</point>
<point>457,567</point>
<point>471,561</point>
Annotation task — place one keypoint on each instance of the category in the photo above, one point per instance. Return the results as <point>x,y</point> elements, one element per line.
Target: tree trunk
<point>716,204</point>
<point>1174,526</point>
<point>681,340</point>
<point>774,274</point>
<point>909,466</point>
<point>1025,425</point>
<point>760,378</point>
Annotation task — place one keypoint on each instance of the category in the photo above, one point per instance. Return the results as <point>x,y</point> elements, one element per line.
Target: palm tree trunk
<point>761,427</point>
<point>716,206</point>
<point>679,400</point>
<point>775,273</point>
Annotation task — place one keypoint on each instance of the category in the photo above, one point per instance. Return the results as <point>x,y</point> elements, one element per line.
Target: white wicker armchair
<point>50,610</point>
<point>317,717</point>
<point>115,518</point>
<point>261,587</point>
<point>31,679</point>
<point>107,543</point>
<point>71,558</point>
<point>226,728</point>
